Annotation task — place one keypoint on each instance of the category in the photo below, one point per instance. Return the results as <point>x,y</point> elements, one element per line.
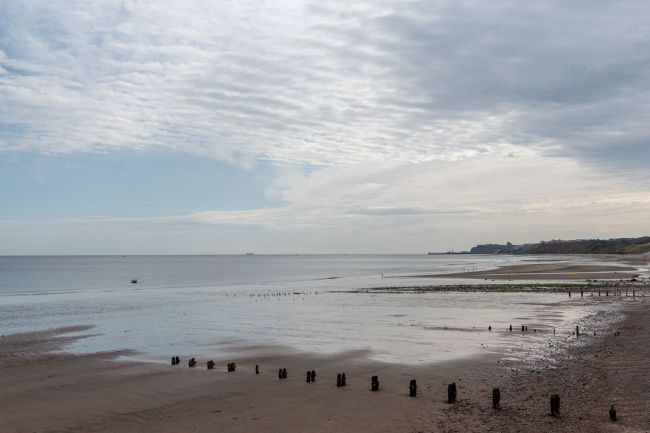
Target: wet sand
<point>608,369</point>
<point>46,391</point>
<point>548,271</point>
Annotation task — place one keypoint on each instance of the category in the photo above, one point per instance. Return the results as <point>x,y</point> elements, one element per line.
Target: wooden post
<point>191,362</point>
<point>413,388</point>
<point>612,413</point>
<point>374,383</point>
<point>569,294</point>
<point>582,294</point>
<point>210,364</point>
<point>178,360</point>
<point>308,376</point>
<point>633,293</point>
<point>257,369</point>
<point>490,328</point>
<point>338,380</point>
<point>555,404</point>
<point>313,376</point>
<point>522,328</point>
<point>173,361</point>
<point>510,328</point>
<point>496,398</point>
<point>606,292</point>
<point>577,331</point>
<point>451,393</point>
<point>280,374</point>
<point>284,373</point>
<point>343,379</point>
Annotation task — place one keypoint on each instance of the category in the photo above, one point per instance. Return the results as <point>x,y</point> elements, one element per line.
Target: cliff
<point>582,246</point>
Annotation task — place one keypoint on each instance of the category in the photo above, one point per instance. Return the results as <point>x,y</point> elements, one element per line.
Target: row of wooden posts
<point>452,390</point>
<point>616,293</point>
<point>525,329</point>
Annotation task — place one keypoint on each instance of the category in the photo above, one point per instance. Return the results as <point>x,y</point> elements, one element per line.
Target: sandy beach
<point>549,271</point>
<point>46,389</point>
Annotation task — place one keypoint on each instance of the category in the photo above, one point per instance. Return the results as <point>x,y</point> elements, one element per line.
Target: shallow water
<point>204,305</point>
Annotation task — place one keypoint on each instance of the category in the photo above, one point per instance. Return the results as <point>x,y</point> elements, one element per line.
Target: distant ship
<point>250,254</point>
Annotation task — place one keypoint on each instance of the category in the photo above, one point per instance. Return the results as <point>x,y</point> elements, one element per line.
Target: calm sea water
<point>206,305</point>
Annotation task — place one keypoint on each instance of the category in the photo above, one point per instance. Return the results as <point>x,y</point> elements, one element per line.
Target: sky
<point>327,126</point>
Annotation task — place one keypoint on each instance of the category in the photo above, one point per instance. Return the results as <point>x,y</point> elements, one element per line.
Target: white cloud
<point>326,82</point>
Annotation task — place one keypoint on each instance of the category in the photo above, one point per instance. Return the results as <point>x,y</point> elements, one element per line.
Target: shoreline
<point>611,287</point>
<point>46,390</point>
<point>553,271</point>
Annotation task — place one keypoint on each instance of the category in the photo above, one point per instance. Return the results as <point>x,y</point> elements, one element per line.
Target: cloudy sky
<point>320,126</point>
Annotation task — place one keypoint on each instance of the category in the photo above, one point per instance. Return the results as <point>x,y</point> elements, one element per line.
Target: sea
<point>217,305</point>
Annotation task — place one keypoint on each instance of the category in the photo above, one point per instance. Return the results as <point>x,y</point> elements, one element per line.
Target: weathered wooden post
<point>606,292</point>
<point>510,328</point>
<point>633,293</point>
<point>569,294</point>
<point>374,383</point>
<point>338,380</point>
<point>612,413</point>
<point>522,328</point>
<point>284,373</point>
<point>582,294</point>
<point>280,374</point>
<point>173,361</point>
<point>210,364</point>
<point>191,362</point>
<point>313,376</point>
<point>413,388</point>
<point>178,360</point>
<point>555,404</point>
<point>343,379</point>
<point>451,393</point>
<point>257,369</point>
<point>490,328</point>
<point>496,398</point>
<point>577,331</point>
<point>231,367</point>
<point>308,376</point>
<point>526,328</point>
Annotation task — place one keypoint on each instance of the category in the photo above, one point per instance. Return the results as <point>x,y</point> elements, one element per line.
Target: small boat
<point>249,254</point>
<point>134,281</point>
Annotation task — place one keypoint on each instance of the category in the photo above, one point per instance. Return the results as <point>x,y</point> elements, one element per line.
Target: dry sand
<point>548,271</point>
<point>45,391</point>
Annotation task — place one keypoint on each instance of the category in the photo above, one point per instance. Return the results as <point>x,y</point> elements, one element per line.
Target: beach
<point>93,359</point>
<point>47,389</point>
<point>549,271</point>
